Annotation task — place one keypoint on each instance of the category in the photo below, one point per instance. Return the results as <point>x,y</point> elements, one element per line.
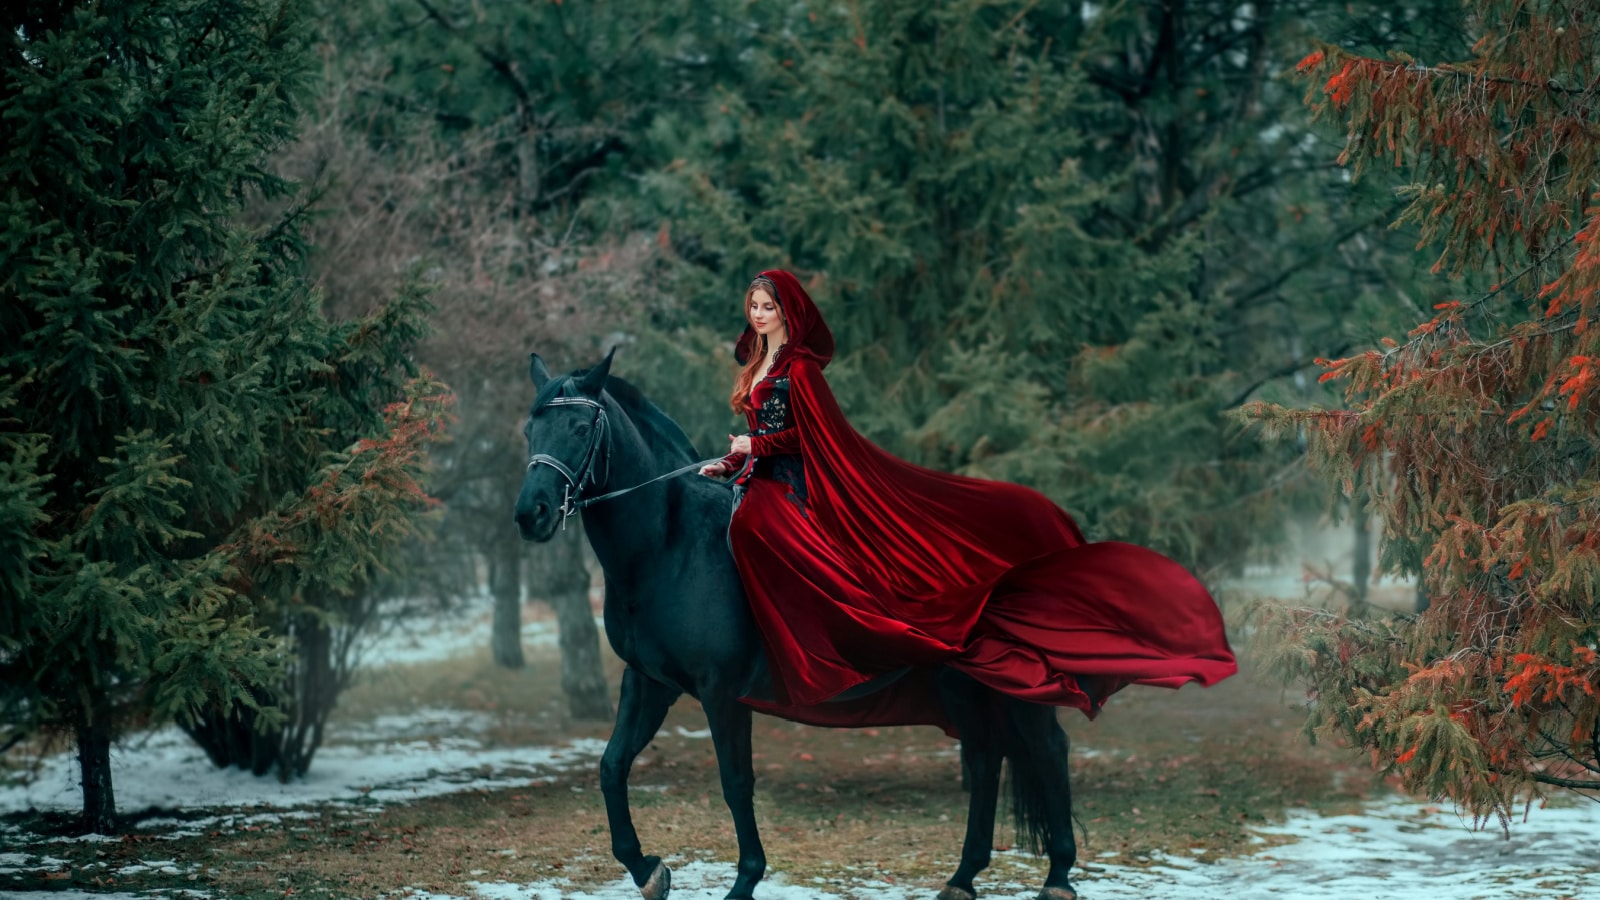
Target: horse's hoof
<point>659,885</point>
<point>951,892</point>
<point>1055,893</point>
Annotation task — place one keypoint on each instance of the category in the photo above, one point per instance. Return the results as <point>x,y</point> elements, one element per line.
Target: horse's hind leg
<point>970,707</point>
<point>642,706</point>
<point>730,733</point>
<point>1042,790</point>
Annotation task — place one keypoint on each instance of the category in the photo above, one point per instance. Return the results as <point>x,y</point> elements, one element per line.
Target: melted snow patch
<point>12,863</point>
<point>165,770</point>
<point>431,637</point>
<point>419,724</point>
<point>1394,850</point>
<point>162,866</point>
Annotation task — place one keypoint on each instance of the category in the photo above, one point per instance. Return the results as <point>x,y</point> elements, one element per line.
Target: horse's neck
<point>623,529</point>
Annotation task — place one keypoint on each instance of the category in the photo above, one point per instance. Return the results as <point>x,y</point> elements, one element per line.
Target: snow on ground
<point>391,758</point>
<point>20,862</point>
<point>426,637</point>
<point>1394,850</point>
<point>166,770</point>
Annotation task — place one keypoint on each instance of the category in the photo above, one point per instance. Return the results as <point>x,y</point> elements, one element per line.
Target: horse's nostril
<point>539,509</point>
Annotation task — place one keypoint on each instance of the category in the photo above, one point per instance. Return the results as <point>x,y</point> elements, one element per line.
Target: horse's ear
<point>594,380</point>
<point>537,371</point>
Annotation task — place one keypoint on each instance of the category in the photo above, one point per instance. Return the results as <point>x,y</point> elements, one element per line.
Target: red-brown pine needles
<point>1478,435</point>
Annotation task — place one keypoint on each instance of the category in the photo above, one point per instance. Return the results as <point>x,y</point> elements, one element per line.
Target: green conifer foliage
<point>193,459</point>
<point>924,166</point>
<point>1476,433</point>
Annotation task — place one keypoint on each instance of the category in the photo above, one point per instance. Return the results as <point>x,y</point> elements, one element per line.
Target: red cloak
<point>883,565</point>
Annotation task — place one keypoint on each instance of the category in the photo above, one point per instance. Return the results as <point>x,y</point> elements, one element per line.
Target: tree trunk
<point>315,685</point>
<point>505,586</point>
<point>1361,564</point>
<point>94,763</point>
<point>229,737</point>
<point>529,177</point>
<point>564,580</point>
<point>232,736</point>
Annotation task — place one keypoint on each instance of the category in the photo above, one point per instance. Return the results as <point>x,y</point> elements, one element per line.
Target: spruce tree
<point>192,457</point>
<point>970,201</point>
<point>1474,433</point>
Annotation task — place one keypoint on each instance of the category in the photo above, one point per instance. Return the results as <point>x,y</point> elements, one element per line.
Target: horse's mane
<point>660,432</point>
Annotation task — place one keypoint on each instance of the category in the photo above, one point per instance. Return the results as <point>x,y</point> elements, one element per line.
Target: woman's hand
<point>714,470</point>
<point>740,444</point>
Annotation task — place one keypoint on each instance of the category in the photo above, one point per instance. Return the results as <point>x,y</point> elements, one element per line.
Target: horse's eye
<point>583,430</point>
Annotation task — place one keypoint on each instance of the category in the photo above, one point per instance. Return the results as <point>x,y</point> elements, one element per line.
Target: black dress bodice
<point>771,398</point>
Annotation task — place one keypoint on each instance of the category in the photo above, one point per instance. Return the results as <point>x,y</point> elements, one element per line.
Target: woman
<point>859,565</point>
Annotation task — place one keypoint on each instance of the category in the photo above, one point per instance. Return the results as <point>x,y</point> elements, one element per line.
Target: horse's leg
<point>970,707</point>
<point>730,733</point>
<point>1038,754</point>
<point>642,706</point>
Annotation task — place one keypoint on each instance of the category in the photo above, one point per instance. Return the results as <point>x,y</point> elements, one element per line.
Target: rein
<point>577,481</point>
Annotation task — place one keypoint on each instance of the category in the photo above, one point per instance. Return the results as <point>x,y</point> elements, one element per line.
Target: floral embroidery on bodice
<point>773,413</point>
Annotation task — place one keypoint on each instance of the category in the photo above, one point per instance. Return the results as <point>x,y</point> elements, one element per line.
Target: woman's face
<point>764,314</point>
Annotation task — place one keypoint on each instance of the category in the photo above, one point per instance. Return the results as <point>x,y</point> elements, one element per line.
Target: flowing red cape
<point>889,565</point>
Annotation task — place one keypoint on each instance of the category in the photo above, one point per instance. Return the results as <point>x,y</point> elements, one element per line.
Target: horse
<point>676,615</point>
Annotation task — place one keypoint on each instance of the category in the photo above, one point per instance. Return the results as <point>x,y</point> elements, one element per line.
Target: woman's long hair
<point>747,374</point>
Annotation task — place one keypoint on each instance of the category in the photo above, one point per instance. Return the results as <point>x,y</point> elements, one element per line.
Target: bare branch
<point>1574,783</point>
<point>1283,371</point>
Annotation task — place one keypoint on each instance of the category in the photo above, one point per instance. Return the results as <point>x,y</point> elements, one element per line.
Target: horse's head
<point>566,432</point>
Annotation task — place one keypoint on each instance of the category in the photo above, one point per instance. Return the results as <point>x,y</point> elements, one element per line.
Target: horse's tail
<point>1028,793</point>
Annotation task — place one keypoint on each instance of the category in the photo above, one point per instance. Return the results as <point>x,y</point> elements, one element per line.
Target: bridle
<point>571,501</point>
<point>584,476</point>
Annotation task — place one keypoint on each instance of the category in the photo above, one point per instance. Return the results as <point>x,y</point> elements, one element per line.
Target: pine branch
<point>1451,71</point>
<point>1575,784</point>
<point>405,104</point>
<point>1572,319</point>
<point>1490,294</point>
<point>1281,372</point>
<point>294,214</point>
<point>633,44</point>
<point>499,64</point>
<point>1276,480</point>
<point>1288,272</point>
<point>1270,174</point>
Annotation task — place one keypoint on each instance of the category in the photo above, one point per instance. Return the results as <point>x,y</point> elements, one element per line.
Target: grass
<point>1181,772</point>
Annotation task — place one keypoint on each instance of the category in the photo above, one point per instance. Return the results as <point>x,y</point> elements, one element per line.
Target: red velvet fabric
<point>887,565</point>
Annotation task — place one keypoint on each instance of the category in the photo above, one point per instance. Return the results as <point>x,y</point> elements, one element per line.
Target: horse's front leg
<point>730,733</point>
<point>640,710</point>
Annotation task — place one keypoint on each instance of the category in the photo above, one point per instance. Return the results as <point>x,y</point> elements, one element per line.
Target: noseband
<point>584,476</point>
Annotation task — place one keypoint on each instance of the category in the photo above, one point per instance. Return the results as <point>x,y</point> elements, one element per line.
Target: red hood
<point>808,333</point>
